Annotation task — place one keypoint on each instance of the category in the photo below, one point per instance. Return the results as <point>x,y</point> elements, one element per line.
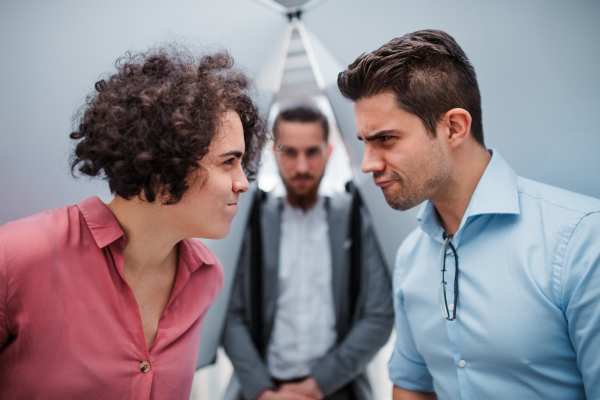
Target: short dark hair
<point>301,112</point>
<point>146,127</point>
<point>428,73</point>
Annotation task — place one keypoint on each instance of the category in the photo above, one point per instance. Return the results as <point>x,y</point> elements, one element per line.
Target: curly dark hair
<point>145,128</point>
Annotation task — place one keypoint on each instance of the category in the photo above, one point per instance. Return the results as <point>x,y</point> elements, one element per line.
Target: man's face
<point>301,153</point>
<point>407,163</point>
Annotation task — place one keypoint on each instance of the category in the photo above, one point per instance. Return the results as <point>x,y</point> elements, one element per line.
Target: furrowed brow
<point>235,153</point>
<point>380,134</point>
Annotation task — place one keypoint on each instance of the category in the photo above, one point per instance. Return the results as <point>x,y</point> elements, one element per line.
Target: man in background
<point>513,264</point>
<point>311,302</point>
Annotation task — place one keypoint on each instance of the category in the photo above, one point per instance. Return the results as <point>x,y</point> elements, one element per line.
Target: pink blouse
<point>70,327</point>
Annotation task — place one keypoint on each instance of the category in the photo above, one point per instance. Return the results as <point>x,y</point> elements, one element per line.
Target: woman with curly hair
<point>106,301</point>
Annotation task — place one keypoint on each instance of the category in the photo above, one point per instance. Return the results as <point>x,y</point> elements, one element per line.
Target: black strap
<point>256,275</point>
<point>356,247</point>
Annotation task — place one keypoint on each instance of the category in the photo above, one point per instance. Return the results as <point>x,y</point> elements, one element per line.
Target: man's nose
<point>302,164</point>
<point>372,161</point>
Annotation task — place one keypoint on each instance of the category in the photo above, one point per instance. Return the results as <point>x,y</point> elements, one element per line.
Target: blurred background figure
<point>311,303</point>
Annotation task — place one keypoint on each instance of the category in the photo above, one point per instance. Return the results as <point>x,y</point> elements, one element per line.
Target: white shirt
<point>304,327</point>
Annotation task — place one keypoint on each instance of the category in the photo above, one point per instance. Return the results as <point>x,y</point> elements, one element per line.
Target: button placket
<point>454,336</point>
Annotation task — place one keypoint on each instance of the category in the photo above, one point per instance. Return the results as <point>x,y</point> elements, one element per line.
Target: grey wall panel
<point>228,251</point>
<point>536,63</point>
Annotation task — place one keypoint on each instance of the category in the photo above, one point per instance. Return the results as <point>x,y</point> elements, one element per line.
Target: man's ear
<point>329,149</point>
<point>457,126</point>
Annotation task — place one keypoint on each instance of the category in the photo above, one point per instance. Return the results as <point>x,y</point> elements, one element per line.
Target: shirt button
<point>145,366</point>
<point>462,363</point>
<point>451,306</point>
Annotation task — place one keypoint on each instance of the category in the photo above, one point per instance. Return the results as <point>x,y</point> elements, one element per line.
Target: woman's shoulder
<point>45,226</point>
<point>26,243</point>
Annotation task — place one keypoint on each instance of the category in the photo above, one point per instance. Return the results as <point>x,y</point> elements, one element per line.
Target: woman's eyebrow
<point>235,153</point>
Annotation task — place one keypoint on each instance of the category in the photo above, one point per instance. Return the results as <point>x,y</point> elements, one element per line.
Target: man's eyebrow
<point>378,135</point>
<point>283,147</point>
<point>235,153</point>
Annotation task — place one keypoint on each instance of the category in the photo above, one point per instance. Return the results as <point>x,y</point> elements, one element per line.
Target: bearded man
<point>311,302</point>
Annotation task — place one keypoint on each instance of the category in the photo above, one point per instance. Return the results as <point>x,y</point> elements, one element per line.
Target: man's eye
<point>230,161</point>
<point>289,153</point>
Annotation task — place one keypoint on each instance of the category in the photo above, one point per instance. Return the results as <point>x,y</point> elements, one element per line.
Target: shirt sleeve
<point>581,298</point>
<point>3,293</point>
<point>407,367</point>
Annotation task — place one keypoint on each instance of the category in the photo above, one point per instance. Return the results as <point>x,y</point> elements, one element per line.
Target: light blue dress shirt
<point>528,315</point>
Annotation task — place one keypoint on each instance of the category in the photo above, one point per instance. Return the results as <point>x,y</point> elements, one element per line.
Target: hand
<point>307,387</point>
<point>280,395</point>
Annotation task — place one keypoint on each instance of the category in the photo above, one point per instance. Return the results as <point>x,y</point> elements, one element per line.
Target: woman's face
<point>209,205</point>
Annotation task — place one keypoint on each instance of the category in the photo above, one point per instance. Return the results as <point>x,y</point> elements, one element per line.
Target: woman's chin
<point>215,234</point>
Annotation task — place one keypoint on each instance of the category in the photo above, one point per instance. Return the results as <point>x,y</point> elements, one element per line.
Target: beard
<point>307,196</point>
<point>403,195</point>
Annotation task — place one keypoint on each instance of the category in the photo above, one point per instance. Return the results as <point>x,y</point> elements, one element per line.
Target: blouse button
<point>145,366</point>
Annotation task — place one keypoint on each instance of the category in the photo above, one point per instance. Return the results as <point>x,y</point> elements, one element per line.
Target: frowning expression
<point>209,205</point>
<point>407,162</point>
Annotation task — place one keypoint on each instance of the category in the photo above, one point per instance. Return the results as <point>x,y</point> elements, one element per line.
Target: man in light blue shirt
<point>497,293</point>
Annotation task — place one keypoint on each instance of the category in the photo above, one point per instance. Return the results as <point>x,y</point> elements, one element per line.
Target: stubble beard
<point>406,197</point>
<point>306,199</point>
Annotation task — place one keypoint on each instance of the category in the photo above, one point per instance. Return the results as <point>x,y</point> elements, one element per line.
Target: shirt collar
<point>106,229</point>
<point>102,223</point>
<point>496,193</point>
<point>195,254</point>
